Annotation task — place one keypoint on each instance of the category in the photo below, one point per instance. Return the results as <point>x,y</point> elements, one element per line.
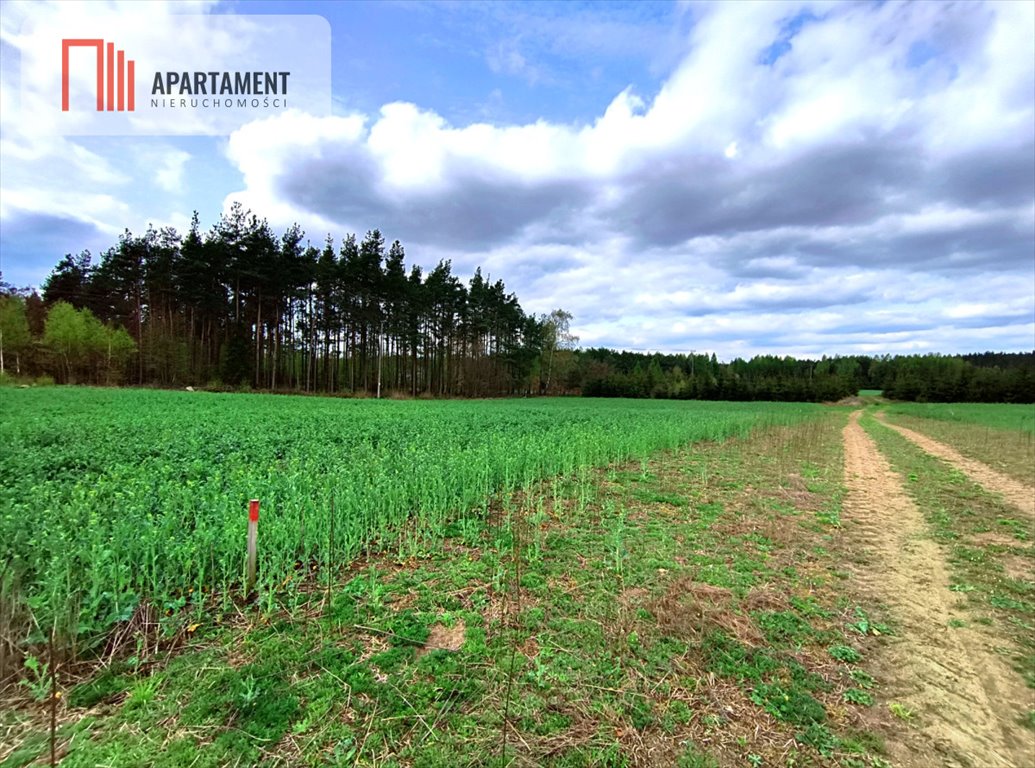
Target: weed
<point>901,711</point>
<point>694,758</point>
<point>861,678</point>
<point>38,682</point>
<point>864,626</point>
<point>788,703</point>
<point>857,696</point>
<point>844,653</point>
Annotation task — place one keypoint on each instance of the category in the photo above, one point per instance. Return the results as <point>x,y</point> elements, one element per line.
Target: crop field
<point>142,496</point>
<point>511,582</point>
<point>1016,418</point>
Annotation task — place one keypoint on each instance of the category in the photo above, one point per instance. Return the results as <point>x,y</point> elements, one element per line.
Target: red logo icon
<point>119,95</point>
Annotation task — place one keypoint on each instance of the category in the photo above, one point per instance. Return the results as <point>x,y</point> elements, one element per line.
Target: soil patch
<point>995,538</point>
<point>442,638</point>
<point>1019,568</point>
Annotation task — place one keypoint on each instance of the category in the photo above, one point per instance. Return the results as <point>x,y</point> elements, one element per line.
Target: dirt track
<point>1016,493</point>
<point>965,698</point>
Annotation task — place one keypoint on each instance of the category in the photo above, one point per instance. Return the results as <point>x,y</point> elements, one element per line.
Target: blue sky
<point>786,178</point>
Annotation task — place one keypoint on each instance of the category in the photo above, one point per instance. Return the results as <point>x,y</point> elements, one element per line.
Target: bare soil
<point>964,698</point>
<point>1017,494</point>
<point>442,638</point>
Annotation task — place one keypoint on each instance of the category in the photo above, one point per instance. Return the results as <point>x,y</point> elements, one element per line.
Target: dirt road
<point>965,699</point>
<point>1015,493</point>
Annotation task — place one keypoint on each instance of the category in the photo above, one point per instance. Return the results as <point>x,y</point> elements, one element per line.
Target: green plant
<point>249,692</point>
<point>901,711</point>
<point>788,703</point>
<point>352,665</point>
<point>143,692</point>
<point>856,696</point>
<point>861,678</point>
<point>38,680</point>
<point>864,626</point>
<point>844,653</point>
<point>694,758</point>
<point>1028,719</point>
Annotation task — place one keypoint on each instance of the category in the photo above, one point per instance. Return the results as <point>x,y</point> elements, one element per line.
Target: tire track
<point>965,698</point>
<point>1015,493</point>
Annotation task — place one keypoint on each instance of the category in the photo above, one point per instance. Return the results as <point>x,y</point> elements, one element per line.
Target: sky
<point>800,178</point>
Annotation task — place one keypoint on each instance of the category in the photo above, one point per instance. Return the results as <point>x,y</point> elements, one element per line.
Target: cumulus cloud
<point>798,158</point>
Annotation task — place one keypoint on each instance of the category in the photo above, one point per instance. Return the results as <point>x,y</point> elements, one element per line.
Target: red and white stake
<point>253,540</point>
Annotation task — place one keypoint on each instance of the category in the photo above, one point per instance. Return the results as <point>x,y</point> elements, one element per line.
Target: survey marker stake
<point>253,537</point>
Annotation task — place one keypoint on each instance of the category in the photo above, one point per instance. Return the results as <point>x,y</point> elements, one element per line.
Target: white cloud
<point>169,175</point>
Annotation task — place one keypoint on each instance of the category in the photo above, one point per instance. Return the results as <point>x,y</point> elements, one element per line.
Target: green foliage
<point>788,703</point>
<point>845,653</point>
<point>694,758</point>
<point>857,696</point>
<point>1028,720</point>
<point>585,653</point>
<point>606,373</point>
<point>865,626</point>
<point>861,678</point>
<point>901,711</point>
<point>83,347</point>
<point>142,495</point>
<point>105,686</point>
<point>38,680</point>
<point>933,378</point>
<point>14,330</point>
<point>783,627</point>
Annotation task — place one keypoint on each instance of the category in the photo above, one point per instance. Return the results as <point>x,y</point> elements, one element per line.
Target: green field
<point>562,582</point>
<point>141,496</point>
<point>613,615</point>
<point>995,415</point>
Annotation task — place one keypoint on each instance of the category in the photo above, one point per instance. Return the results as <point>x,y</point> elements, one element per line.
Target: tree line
<point>992,377</point>
<point>239,306</point>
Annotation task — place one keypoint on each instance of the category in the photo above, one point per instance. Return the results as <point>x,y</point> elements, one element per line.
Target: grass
<point>991,548</point>
<point>1000,436</point>
<point>1020,418</point>
<point>139,497</point>
<point>682,610</point>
